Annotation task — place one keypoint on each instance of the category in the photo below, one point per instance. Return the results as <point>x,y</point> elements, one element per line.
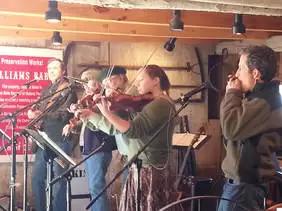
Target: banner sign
<point>22,79</point>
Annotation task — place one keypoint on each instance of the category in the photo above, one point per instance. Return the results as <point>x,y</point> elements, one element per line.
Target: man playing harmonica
<point>250,117</point>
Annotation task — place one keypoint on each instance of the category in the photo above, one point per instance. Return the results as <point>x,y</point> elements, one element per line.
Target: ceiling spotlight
<point>176,24</point>
<point>53,15</point>
<point>57,39</point>
<point>238,26</point>
<point>170,44</point>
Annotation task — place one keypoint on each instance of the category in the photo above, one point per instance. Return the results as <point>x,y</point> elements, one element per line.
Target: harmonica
<point>232,78</point>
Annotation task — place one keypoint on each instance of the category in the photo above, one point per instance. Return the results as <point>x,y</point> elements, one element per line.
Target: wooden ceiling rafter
<point>152,17</point>
<point>41,35</point>
<point>254,7</point>
<point>120,29</point>
<point>149,25</point>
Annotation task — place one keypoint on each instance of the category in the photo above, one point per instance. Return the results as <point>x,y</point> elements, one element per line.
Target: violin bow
<point>109,73</point>
<point>141,70</point>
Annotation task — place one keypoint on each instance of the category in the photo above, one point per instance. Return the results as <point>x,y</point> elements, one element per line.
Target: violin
<point>39,124</point>
<point>85,102</point>
<point>119,103</point>
<point>125,102</point>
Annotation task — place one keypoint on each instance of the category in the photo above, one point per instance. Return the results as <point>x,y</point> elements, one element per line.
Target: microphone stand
<point>138,163</point>
<point>185,101</point>
<point>25,173</point>
<point>13,141</point>
<point>68,177</point>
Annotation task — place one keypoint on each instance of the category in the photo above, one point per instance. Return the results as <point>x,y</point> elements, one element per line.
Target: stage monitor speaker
<point>215,73</point>
<point>197,186</point>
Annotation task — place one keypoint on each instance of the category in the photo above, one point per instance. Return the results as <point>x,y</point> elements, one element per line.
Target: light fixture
<point>170,44</point>
<point>57,39</point>
<point>53,15</point>
<point>238,26</point>
<point>176,24</point>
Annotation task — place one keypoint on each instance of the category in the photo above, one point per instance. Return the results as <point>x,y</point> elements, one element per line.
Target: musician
<point>156,186</point>
<point>97,165</point>
<point>115,81</point>
<point>250,117</point>
<point>52,124</point>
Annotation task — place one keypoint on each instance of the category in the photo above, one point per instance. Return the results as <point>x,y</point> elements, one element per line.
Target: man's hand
<point>102,103</point>
<point>31,114</point>
<point>83,113</point>
<point>233,83</point>
<point>104,106</point>
<point>67,129</point>
<point>73,108</point>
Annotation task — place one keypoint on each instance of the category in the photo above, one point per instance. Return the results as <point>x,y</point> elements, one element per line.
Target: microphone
<point>27,84</point>
<point>183,99</point>
<point>77,80</point>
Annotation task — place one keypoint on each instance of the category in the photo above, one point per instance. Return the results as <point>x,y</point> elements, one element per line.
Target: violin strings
<point>141,70</point>
<point>109,73</point>
<point>153,52</point>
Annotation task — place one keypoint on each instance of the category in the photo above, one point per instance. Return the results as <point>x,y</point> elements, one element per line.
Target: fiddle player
<point>156,186</point>
<point>52,124</point>
<point>115,81</point>
<point>250,118</point>
<point>97,165</point>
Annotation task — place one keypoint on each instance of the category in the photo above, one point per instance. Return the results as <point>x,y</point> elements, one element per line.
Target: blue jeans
<point>249,196</point>
<point>96,169</point>
<point>38,181</point>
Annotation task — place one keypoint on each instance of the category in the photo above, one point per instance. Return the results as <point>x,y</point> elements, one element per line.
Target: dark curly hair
<point>262,58</point>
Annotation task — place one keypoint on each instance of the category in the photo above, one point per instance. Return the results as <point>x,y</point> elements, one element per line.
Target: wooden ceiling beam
<point>119,28</point>
<point>46,35</point>
<point>274,4</point>
<point>268,8</point>
<point>149,17</point>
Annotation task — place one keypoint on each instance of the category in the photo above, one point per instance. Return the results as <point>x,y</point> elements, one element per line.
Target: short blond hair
<point>88,75</point>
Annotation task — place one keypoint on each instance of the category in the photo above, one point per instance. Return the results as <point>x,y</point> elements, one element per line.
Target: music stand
<point>45,142</point>
<point>62,158</point>
<point>186,140</point>
<point>191,142</point>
